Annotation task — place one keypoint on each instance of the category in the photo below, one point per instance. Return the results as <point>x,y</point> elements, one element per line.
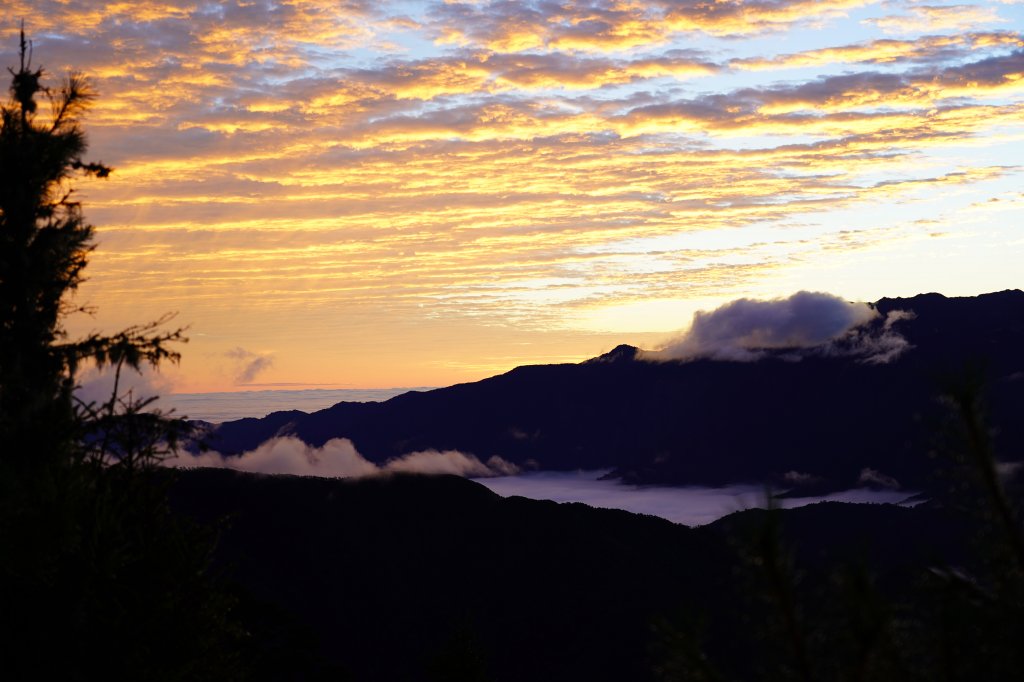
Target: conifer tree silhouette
<point>45,242</point>
<point>97,577</point>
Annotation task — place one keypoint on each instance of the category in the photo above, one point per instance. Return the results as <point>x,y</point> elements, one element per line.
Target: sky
<point>355,194</point>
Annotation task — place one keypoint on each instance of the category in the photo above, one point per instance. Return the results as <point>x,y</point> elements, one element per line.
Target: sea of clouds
<point>806,323</point>
<point>690,505</point>
<point>217,407</point>
<point>338,457</point>
<point>227,406</point>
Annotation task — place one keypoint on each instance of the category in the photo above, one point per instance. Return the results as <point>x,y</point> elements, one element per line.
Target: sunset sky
<point>342,193</point>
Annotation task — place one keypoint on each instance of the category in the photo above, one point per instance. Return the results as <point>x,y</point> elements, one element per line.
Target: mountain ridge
<point>822,419</point>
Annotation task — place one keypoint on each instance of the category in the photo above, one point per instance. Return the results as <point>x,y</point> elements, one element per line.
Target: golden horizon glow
<point>365,195</point>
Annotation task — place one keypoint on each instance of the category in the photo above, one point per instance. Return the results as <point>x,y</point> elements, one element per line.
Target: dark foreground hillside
<point>394,575</point>
<point>419,578</point>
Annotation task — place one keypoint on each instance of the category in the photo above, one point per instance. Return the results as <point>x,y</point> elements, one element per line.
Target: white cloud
<point>871,345</point>
<point>873,477</point>
<point>450,462</point>
<point>805,324</point>
<point>743,329</point>
<point>339,458</point>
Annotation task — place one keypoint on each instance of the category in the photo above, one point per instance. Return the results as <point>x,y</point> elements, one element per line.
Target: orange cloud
<point>290,175</point>
<point>522,25</point>
<point>886,51</point>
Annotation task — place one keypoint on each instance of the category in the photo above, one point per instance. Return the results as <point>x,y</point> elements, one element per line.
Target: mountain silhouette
<point>382,577</point>
<point>825,418</point>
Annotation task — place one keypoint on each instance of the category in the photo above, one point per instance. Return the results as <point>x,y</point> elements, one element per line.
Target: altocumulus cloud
<point>745,329</point>
<point>339,458</point>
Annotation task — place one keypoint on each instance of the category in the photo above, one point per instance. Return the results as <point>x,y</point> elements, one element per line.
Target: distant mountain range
<point>815,419</point>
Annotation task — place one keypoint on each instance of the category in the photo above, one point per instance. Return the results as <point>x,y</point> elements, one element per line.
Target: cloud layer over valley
<point>688,505</point>
<point>338,458</point>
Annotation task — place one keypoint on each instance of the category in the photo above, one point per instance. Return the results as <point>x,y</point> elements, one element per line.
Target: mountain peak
<point>621,353</point>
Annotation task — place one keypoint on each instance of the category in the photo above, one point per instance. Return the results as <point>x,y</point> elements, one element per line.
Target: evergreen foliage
<point>97,577</point>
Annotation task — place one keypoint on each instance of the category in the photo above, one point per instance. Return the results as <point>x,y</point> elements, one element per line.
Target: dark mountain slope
<point>392,572</point>
<point>402,576</point>
<point>707,422</point>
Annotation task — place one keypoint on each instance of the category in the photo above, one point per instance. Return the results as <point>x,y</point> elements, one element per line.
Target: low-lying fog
<point>339,458</point>
<point>692,506</point>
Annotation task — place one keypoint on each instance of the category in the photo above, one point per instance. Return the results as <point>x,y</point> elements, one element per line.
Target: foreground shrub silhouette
<point>856,618</point>
<point>97,577</point>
